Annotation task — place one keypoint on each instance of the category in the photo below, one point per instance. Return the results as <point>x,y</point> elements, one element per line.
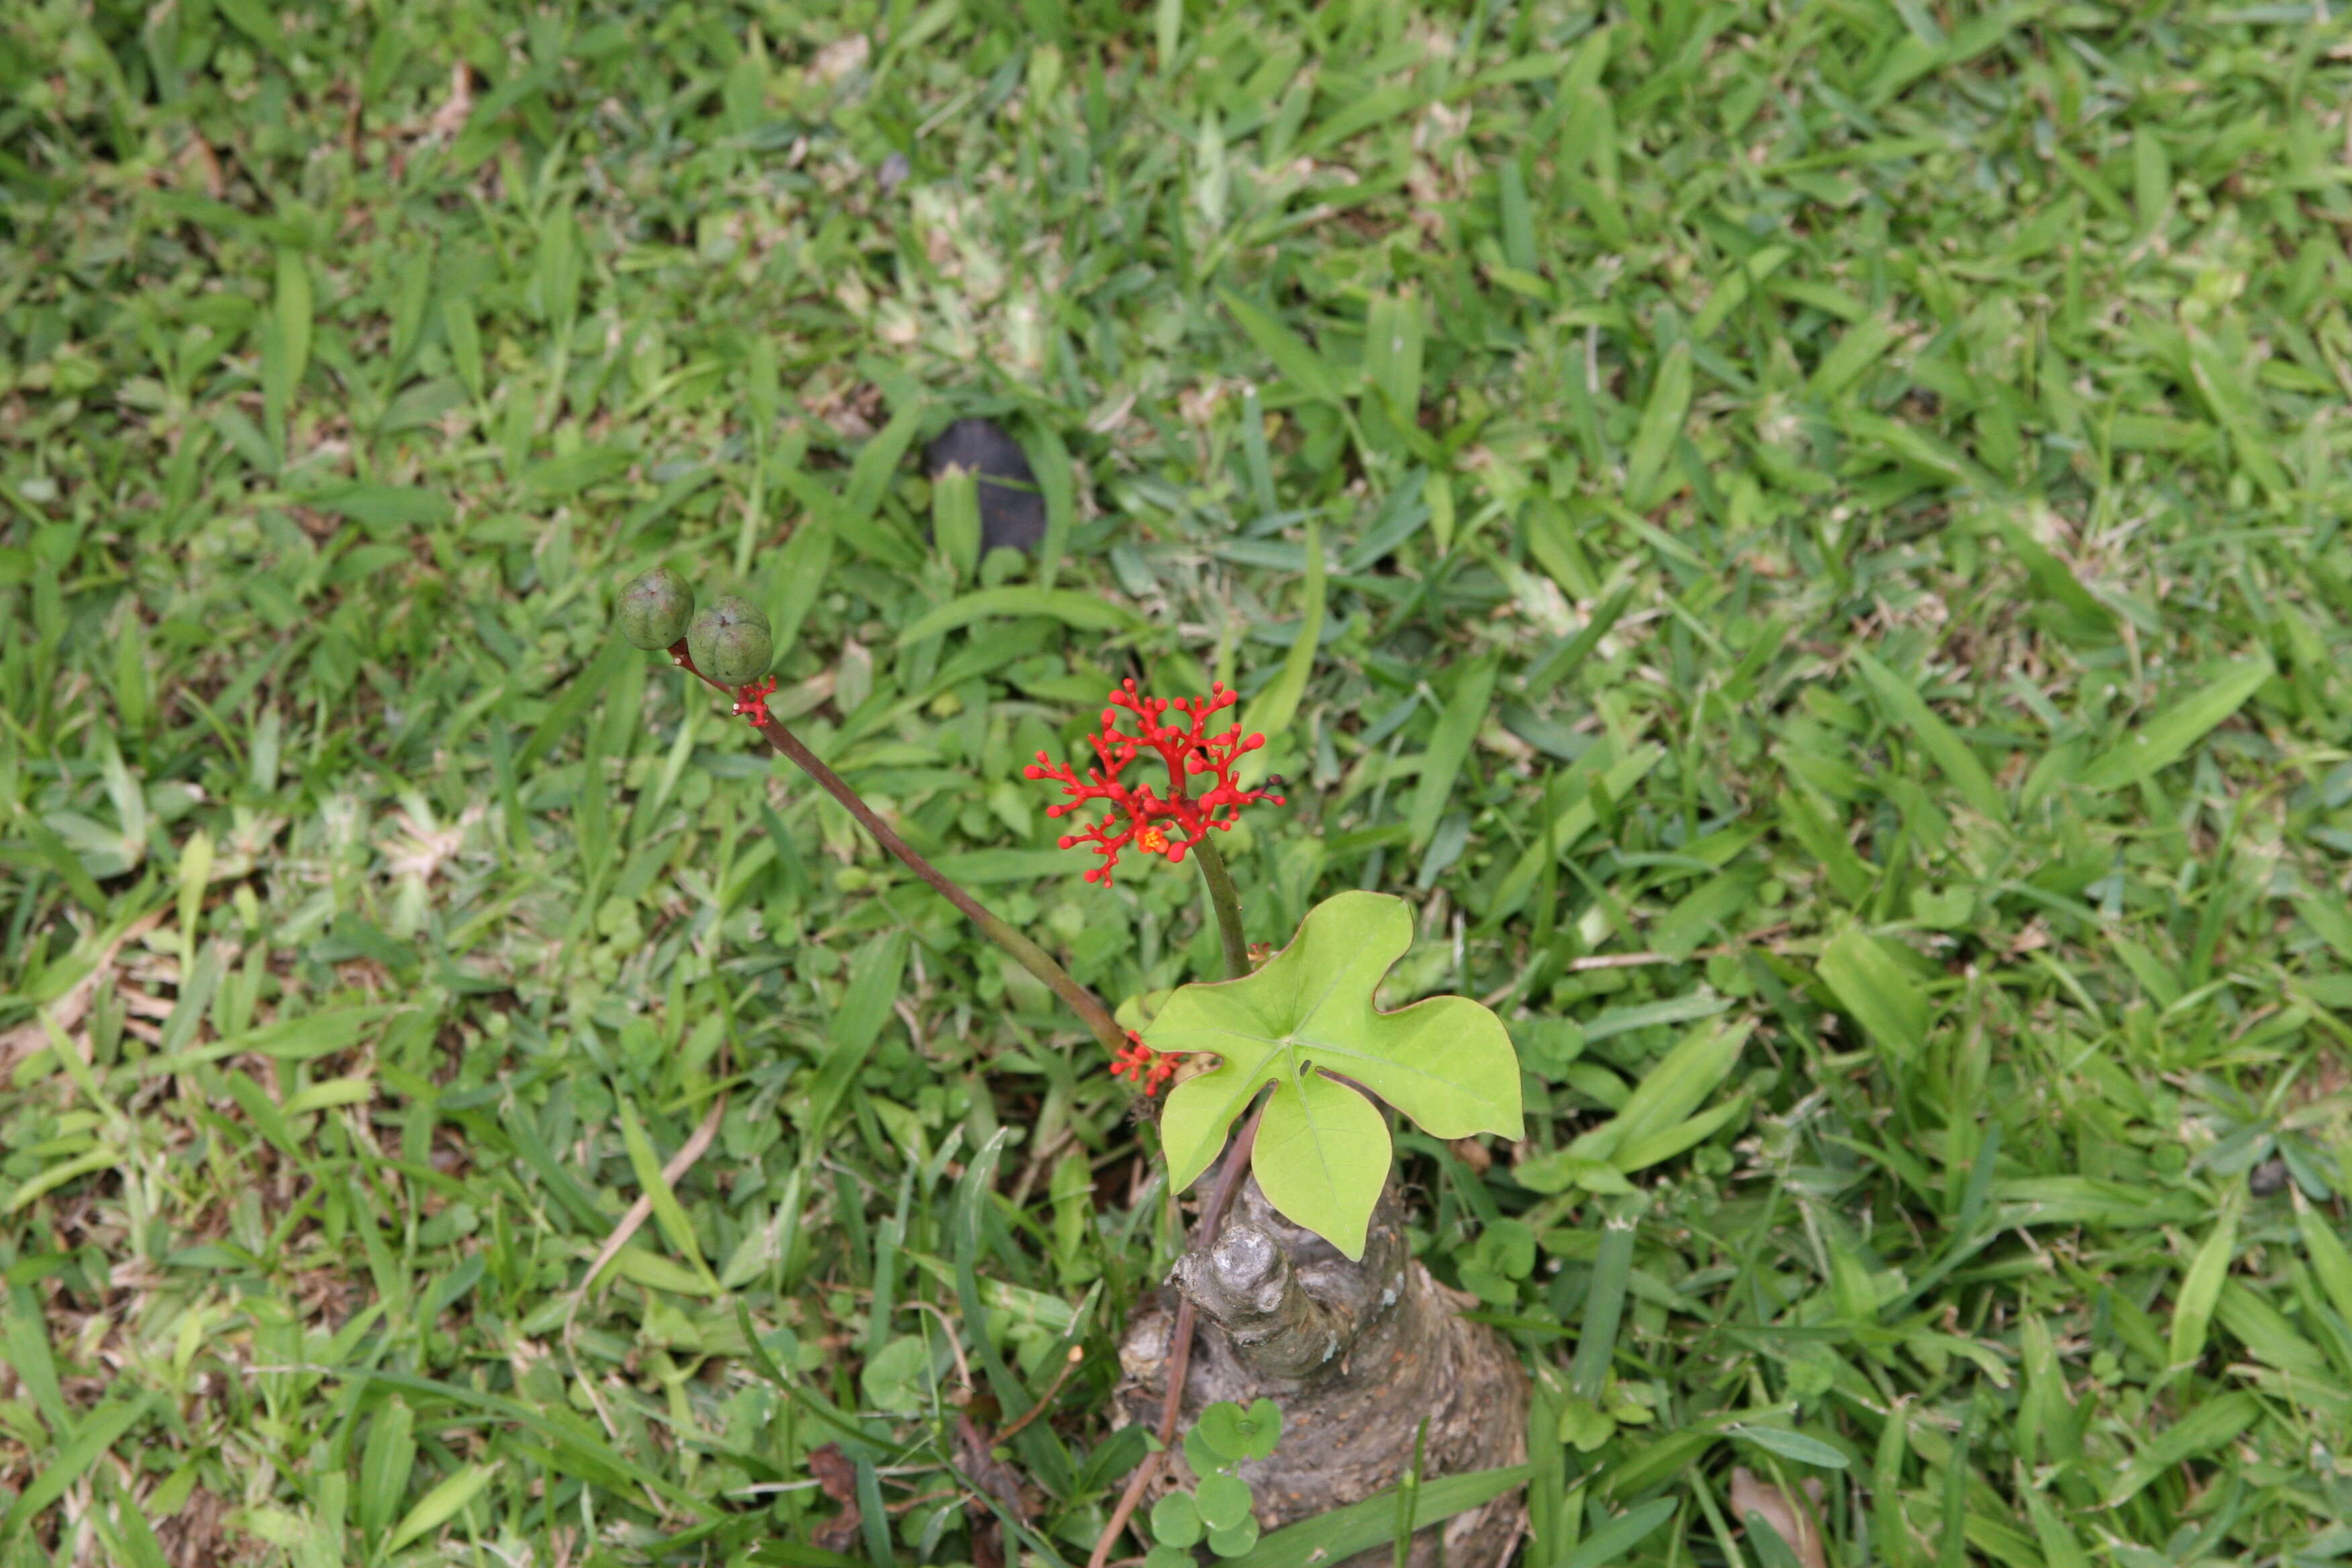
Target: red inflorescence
<point>1147,1067</point>
<point>751,701</point>
<point>1166,824</point>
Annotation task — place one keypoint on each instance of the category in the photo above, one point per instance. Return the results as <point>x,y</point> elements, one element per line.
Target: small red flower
<point>751,701</point>
<point>1148,1069</point>
<point>1166,824</point>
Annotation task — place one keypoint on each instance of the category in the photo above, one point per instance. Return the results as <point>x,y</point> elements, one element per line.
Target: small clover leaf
<point>1507,1247</point>
<point>1584,1424</point>
<point>1322,1149</point>
<point>1223,1501</point>
<point>1175,1522</point>
<point>1238,1434</point>
<point>1167,1557</point>
<point>1203,1454</point>
<point>1234,1541</point>
<point>898,1377</point>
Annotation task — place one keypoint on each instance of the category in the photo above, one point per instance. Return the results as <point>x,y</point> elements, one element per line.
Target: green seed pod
<point>729,641</point>
<point>655,609</point>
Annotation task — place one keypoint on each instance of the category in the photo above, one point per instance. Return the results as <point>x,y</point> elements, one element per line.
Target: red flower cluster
<point>751,701</point>
<point>1166,824</point>
<point>1148,1069</point>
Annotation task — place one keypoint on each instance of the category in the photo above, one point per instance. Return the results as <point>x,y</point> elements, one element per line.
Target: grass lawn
<point>1826,518</point>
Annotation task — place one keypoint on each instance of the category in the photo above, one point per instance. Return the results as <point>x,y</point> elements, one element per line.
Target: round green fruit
<point>729,641</point>
<point>655,609</point>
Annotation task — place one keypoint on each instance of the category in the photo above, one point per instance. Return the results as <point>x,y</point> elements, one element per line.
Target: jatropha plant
<point>1291,1048</point>
<point>1303,1025</point>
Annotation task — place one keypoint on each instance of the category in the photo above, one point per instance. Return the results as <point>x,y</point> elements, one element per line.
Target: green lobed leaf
<point>1259,1428</point>
<point>1322,1153</point>
<point>1322,1156</point>
<point>896,1378</point>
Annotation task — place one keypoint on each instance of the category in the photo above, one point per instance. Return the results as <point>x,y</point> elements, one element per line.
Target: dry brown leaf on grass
<point>448,122</point>
<point>838,1480</point>
<point>66,1011</point>
<point>1792,1520</point>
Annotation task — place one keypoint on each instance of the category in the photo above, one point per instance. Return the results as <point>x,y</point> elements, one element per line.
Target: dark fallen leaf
<point>976,1458</point>
<point>837,1478</point>
<point>1013,511</point>
<point>834,1473</point>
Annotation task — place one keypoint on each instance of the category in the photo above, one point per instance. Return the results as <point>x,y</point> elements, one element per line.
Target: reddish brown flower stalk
<point>1166,824</point>
<point>752,703</point>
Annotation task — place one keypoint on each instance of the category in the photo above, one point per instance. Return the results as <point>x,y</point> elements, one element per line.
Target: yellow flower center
<point>1153,841</point>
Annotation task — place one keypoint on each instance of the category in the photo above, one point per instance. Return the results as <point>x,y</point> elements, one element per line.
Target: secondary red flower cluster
<point>751,701</point>
<point>1166,824</point>
<point>1147,1067</point>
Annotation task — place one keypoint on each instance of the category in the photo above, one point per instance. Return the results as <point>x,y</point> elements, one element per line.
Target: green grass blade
<point>1299,365</point>
<point>1596,1339</point>
<point>1610,1543</point>
<point>442,1504</point>
<point>2164,738</point>
<point>1662,421</point>
<point>2201,1281</point>
<point>1085,611</point>
<point>1270,712</point>
<point>98,1432</point>
<point>1344,1531</point>
<point>2199,1431</point>
<point>669,1213</point>
<point>1872,986</point>
<point>1908,712</point>
<point>1457,724</point>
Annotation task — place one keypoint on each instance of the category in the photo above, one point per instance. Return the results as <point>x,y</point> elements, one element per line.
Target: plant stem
<point>1027,953</point>
<point>1180,1352</point>
<point>1227,903</point>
